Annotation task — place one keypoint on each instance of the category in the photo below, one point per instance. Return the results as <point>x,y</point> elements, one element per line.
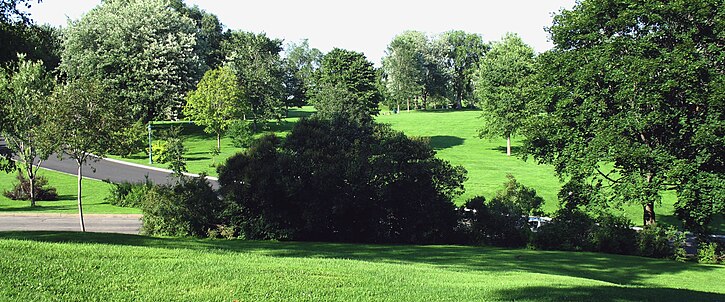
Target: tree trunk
<point>408,101</point>
<point>508,145</point>
<point>80,194</point>
<point>218,142</point>
<point>649,214</point>
<point>425,102</point>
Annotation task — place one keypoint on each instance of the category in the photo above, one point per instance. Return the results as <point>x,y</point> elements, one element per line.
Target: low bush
<point>188,208</point>
<point>21,189</point>
<point>241,133</point>
<point>128,194</point>
<point>494,223</point>
<point>516,194</point>
<point>710,253</point>
<point>569,230</point>
<point>658,242</point>
<point>130,140</point>
<point>614,235</point>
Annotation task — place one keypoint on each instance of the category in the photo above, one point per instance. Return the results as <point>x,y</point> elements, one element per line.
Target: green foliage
<point>130,140</point>
<point>346,86</point>
<point>654,241</point>
<point>614,235</point>
<point>21,189</point>
<point>241,133</point>
<point>498,222</point>
<point>188,208</point>
<point>143,51</point>
<point>569,230</point>
<point>256,62</point>
<point>338,180</point>
<point>300,64</point>
<point>462,53</point>
<point>209,33</point>
<point>404,67</point>
<point>709,253</point>
<point>504,86</point>
<point>518,195</point>
<point>636,86</point>
<point>128,194</point>
<point>215,104</point>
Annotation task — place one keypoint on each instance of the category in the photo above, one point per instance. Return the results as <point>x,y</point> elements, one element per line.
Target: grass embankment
<point>94,191</point>
<point>110,267</point>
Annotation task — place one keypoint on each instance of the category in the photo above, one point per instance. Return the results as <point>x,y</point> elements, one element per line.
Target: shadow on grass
<point>440,142</point>
<point>299,112</point>
<point>625,270</point>
<point>606,293</point>
<point>515,150</point>
<point>37,208</point>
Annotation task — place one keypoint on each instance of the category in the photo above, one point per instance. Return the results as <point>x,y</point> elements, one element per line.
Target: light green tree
<point>143,50</point>
<point>84,117</point>
<point>215,104</point>
<point>404,67</point>
<point>503,81</point>
<point>24,94</point>
<point>463,51</point>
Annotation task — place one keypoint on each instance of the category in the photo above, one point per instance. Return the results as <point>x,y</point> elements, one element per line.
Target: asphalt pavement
<point>102,223</point>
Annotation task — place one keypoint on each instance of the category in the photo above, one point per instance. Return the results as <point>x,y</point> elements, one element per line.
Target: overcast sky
<point>365,26</point>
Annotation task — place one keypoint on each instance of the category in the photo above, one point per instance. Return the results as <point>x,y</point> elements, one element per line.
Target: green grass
<point>94,191</point>
<point>47,266</point>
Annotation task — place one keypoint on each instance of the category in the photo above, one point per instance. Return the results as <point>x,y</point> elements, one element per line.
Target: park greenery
<point>625,112</point>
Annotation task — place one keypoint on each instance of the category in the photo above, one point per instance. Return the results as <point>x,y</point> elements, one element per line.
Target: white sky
<point>365,26</point>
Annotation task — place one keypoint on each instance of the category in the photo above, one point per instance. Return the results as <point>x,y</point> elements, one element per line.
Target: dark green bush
<point>241,133</point>
<point>188,208</point>
<point>128,194</point>
<point>21,189</point>
<point>337,180</point>
<point>657,242</point>
<point>569,230</point>
<point>495,223</point>
<point>710,253</point>
<point>523,197</point>
<point>614,235</point>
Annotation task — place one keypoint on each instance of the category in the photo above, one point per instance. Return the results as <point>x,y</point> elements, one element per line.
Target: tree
<point>463,51</point>
<point>142,50</point>
<point>24,94</point>
<point>633,99</point>
<point>84,117</point>
<point>300,63</point>
<point>209,34</point>
<point>503,84</point>
<point>256,62</point>
<point>346,85</point>
<point>215,102</point>
<point>404,66</point>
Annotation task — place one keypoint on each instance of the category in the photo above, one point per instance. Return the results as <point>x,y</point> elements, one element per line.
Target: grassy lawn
<point>111,267</point>
<point>93,193</point>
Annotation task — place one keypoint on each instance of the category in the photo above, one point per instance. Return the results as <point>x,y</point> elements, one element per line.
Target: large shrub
<point>516,194</point>
<point>614,235</point>
<point>189,207</point>
<point>497,222</point>
<point>658,242</point>
<point>569,230</point>
<point>339,180</point>
<point>129,194</point>
<point>21,189</point>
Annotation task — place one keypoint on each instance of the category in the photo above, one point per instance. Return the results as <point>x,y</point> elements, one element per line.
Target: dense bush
<point>21,189</point>
<point>241,133</point>
<point>128,194</point>
<point>337,180</point>
<point>188,208</point>
<point>709,253</point>
<point>523,197</point>
<point>497,222</point>
<point>130,140</point>
<point>569,230</point>
<point>658,242</point>
<point>614,235</point>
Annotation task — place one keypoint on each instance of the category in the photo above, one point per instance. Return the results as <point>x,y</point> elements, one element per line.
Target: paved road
<point>125,224</point>
<point>111,170</point>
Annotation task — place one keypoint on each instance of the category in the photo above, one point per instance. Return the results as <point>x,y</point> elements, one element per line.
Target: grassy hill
<point>44,266</point>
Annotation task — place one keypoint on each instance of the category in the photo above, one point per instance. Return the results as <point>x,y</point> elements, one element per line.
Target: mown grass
<point>48,266</point>
<point>94,191</point>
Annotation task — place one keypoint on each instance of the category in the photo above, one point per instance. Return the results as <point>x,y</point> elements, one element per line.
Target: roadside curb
<point>20,214</point>
<point>154,168</point>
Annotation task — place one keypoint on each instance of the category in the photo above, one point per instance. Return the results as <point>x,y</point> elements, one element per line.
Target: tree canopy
<point>142,50</point>
<point>404,66</point>
<point>463,51</point>
<point>346,85</point>
<point>633,98</point>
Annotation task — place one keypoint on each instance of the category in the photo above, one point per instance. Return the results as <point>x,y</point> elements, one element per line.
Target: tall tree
<point>209,33</point>
<point>24,94</point>
<point>215,102</point>
<point>346,85</point>
<point>638,86</point>
<point>256,61</point>
<point>463,51</point>
<point>404,66</point>
<point>300,63</point>
<point>84,117</point>
<point>503,82</point>
<point>144,51</point>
